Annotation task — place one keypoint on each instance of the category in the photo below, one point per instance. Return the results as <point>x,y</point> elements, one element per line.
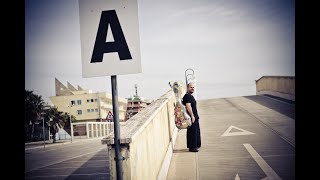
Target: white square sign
<point>109,33</point>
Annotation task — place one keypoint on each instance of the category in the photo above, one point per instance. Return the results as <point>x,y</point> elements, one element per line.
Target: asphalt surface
<point>282,106</point>
<point>247,138</point>
<point>81,159</point>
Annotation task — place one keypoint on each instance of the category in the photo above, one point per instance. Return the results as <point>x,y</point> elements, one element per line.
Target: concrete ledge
<point>279,86</point>
<point>167,160</point>
<point>146,141</point>
<point>138,122</point>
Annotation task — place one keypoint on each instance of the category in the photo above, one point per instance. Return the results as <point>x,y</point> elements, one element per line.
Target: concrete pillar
<point>87,130</point>
<point>101,133</point>
<point>91,129</point>
<point>103,129</point>
<point>97,130</point>
<point>71,125</point>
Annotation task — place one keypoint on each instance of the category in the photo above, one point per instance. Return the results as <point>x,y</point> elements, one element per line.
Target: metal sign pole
<point>116,126</point>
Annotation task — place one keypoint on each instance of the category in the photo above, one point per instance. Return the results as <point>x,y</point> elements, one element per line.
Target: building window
<point>79,102</point>
<point>96,110</point>
<point>79,112</point>
<point>73,103</point>
<point>91,100</point>
<point>88,110</point>
<point>95,100</point>
<point>92,110</point>
<point>88,100</point>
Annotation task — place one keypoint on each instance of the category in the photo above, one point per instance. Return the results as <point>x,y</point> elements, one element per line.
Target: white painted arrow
<point>237,177</point>
<point>243,132</point>
<point>262,163</point>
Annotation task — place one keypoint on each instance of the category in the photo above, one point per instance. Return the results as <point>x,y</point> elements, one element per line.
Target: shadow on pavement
<point>97,167</point>
<point>181,150</point>
<point>280,105</point>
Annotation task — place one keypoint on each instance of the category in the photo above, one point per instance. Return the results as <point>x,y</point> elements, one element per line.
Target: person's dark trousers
<point>199,136</point>
<point>192,135</point>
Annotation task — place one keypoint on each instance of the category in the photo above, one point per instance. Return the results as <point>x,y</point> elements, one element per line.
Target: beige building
<point>85,105</point>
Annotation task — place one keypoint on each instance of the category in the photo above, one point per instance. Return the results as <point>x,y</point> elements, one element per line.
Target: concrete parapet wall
<point>146,141</point>
<point>280,86</point>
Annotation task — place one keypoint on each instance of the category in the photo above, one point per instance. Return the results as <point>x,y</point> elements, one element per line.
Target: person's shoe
<point>193,150</point>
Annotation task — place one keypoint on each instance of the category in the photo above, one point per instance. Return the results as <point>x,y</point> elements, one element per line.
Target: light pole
<point>71,126</point>
<point>49,134</point>
<point>99,108</point>
<point>44,139</point>
<point>46,107</point>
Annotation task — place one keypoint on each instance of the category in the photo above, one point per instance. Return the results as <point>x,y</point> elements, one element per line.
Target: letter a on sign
<point>100,21</point>
<point>119,45</point>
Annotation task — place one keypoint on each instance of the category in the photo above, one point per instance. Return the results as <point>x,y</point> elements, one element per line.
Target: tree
<point>33,108</point>
<point>56,119</point>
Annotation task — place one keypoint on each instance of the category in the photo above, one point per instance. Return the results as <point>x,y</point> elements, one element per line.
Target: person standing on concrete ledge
<point>193,132</point>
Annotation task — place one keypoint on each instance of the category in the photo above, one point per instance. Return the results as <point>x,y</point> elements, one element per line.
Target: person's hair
<point>190,84</point>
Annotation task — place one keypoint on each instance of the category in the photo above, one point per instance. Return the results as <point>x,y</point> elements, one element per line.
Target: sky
<point>228,43</point>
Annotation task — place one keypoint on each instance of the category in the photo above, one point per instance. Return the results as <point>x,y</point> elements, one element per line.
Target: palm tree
<point>57,120</point>
<point>33,108</point>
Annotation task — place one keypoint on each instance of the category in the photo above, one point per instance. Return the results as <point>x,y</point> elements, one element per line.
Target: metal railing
<point>191,77</point>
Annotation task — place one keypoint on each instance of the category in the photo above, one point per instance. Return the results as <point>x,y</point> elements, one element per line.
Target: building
<point>135,104</point>
<point>85,105</point>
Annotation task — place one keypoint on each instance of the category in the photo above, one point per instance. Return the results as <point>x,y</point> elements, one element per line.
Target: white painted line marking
<point>197,167</point>
<point>237,177</point>
<point>262,163</point>
<point>243,132</point>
